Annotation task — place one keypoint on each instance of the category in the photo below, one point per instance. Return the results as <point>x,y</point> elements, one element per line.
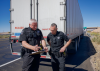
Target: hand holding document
<point>38,52</point>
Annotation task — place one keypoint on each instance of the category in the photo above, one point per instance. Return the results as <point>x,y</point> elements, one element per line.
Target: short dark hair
<point>53,24</point>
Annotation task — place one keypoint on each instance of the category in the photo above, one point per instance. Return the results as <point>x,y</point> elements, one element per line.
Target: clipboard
<point>37,52</point>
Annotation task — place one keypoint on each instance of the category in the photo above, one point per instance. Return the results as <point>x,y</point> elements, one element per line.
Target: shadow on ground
<point>74,61</point>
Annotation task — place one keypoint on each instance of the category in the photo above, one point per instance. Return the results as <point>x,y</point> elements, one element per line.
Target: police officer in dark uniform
<point>30,38</point>
<point>57,51</point>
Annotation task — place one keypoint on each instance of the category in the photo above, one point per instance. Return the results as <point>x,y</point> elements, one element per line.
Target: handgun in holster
<point>60,54</point>
<point>64,54</point>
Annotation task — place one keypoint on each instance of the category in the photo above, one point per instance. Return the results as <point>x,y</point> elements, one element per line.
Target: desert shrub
<point>0,36</point>
<point>4,36</point>
<point>98,39</point>
<point>94,34</point>
<point>89,31</point>
<point>94,39</point>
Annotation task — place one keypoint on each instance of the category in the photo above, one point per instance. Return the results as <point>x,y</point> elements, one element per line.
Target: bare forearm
<point>67,44</point>
<point>43,43</point>
<point>26,45</point>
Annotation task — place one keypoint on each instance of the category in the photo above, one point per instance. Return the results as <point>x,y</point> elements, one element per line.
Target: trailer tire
<point>78,43</point>
<point>75,45</point>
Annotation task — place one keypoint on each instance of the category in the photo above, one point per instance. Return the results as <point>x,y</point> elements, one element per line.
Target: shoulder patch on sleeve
<point>38,31</point>
<point>23,30</point>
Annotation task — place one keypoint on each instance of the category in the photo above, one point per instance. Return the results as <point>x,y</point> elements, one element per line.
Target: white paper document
<point>37,52</point>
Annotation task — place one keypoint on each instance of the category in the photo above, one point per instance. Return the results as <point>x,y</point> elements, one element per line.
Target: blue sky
<point>4,15</point>
<point>90,11</point>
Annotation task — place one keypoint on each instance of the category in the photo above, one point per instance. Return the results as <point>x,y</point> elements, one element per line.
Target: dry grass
<point>4,36</point>
<point>95,59</point>
<point>96,37</point>
<point>94,33</point>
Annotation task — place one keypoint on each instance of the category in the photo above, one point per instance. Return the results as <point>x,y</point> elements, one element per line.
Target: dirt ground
<point>95,59</point>
<point>4,32</point>
<point>97,30</point>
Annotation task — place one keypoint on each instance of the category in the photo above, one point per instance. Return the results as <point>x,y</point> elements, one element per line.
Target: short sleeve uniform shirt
<point>30,36</point>
<point>57,41</point>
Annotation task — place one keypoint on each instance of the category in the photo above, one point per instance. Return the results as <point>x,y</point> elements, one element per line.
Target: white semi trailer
<point>65,13</point>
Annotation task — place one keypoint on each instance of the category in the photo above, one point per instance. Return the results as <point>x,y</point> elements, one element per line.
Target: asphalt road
<point>74,62</point>
<point>5,53</point>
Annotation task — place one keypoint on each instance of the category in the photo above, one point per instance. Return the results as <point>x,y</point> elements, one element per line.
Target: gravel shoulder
<point>95,59</point>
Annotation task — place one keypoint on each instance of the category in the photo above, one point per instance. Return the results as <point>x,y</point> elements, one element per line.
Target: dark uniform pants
<point>58,63</point>
<point>30,62</point>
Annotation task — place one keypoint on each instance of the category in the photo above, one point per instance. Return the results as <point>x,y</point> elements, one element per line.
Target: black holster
<point>49,52</point>
<point>22,51</point>
<point>58,54</point>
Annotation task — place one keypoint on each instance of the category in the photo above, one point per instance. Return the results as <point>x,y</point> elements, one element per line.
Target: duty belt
<point>58,54</point>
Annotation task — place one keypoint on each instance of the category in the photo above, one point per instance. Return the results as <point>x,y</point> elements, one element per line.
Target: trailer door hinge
<point>11,9</point>
<point>62,3</point>
<point>31,4</point>
<point>37,3</point>
<point>11,21</point>
<point>62,18</point>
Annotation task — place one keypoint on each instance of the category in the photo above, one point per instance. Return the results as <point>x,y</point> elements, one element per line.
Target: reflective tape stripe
<point>15,53</point>
<point>13,36</point>
<point>45,57</point>
<point>45,36</point>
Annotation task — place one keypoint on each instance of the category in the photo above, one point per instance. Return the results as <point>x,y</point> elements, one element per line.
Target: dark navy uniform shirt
<point>57,41</point>
<point>31,37</point>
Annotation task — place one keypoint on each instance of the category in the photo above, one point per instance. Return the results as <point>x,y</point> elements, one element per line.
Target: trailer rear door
<point>50,11</point>
<point>20,16</point>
